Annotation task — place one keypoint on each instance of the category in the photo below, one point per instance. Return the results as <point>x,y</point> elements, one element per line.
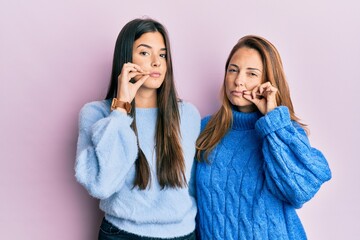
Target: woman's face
<point>149,52</point>
<point>245,72</point>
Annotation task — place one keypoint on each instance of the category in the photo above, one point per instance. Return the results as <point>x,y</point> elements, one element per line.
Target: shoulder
<point>205,121</point>
<point>190,118</point>
<point>95,109</point>
<point>188,109</point>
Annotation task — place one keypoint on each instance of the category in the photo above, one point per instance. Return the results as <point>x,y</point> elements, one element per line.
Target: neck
<point>247,109</point>
<point>245,120</point>
<point>146,98</point>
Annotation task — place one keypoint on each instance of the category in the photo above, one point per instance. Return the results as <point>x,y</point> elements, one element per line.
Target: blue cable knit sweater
<point>260,172</point>
<point>106,153</point>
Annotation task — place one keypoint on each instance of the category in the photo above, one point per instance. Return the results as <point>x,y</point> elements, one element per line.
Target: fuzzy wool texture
<point>106,153</point>
<point>259,174</point>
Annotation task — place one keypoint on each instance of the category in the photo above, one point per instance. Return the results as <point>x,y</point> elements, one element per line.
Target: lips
<point>237,93</point>
<point>155,74</point>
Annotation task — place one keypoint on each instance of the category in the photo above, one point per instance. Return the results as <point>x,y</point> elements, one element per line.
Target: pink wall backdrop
<point>56,55</point>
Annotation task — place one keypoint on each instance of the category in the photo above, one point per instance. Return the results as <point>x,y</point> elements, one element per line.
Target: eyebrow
<point>148,46</point>
<point>236,66</point>
<point>256,69</point>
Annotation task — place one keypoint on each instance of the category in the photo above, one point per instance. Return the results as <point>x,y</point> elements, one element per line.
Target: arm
<point>106,150</point>
<point>294,171</point>
<point>191,122</point>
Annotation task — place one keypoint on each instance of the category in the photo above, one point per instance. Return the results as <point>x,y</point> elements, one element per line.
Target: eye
<point>163,55</point>
<point>144,53</point>
<point>232,70</point>
<point>252,74</point>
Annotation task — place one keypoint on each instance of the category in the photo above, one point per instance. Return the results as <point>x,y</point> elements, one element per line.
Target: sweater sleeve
<point>192,122</point>
<point>294,170</point>
<point>106,150</point>
<point>192,181</point>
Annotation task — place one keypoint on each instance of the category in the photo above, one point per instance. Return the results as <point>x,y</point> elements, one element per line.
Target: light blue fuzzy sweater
<point>106,153</point>
<point>261,171</point>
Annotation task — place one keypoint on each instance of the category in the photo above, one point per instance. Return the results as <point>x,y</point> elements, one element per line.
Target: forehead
<point>152,39</point>
<point>247,57</point>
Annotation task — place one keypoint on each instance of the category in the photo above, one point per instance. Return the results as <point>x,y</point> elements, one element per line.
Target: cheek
<point>228,82</point>
<point>138,61</point>
<point>252,84</point>
<point>227,89</point>
<point>141,60</point>
<point>164,67</point>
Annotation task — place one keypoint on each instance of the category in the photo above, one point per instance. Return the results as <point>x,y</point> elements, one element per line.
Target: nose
<point>156,61</point>
<point>239,80</point>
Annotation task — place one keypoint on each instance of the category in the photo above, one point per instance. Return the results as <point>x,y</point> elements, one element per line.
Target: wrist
<point>122,110</point>
<point>120,105</point>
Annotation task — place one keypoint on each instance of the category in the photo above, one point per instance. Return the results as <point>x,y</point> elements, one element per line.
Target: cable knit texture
<point>106,153</point>
<point>260,172</point>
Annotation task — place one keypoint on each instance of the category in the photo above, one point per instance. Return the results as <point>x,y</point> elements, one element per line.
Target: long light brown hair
<point>220,123</point>
<point>170,163</point>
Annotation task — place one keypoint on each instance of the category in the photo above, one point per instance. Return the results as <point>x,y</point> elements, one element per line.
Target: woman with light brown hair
<point>256,165</point>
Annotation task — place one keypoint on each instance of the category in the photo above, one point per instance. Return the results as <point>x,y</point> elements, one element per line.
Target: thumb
<point>258,102</point>
<point>140,82</point>
<point>248,96</point>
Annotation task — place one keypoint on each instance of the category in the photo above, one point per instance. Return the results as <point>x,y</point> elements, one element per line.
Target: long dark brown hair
<point>220,123</point>
<point>170,163</point>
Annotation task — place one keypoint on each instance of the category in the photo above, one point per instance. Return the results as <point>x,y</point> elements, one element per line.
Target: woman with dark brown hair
<point>136,148</point>
<point>256,165</point>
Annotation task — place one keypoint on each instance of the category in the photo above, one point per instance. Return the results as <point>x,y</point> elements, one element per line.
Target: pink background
<point>56,55</point>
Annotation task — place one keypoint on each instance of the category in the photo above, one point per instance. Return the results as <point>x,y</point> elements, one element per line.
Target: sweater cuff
<point>273,120</point>
<point>121,116</point>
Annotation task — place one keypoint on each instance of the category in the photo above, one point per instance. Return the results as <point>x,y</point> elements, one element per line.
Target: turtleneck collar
<point>245,121</point>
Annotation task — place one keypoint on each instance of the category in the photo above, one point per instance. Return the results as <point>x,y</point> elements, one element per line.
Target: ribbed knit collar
<point>244,121</point>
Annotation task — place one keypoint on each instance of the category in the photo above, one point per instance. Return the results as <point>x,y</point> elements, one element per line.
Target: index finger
<point>134,66</point>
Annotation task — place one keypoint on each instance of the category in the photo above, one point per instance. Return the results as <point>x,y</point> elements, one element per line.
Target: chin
<point>240,102</point>
<point>152,86</point>
<point>153,83</point>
